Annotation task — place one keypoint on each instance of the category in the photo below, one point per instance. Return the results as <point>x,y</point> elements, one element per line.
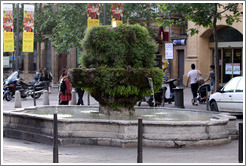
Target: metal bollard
<point>34,99</point>
<point>55,140</point>
<point>88,99</point>
<point>163,96</point>
<point>240,143</point>
<point>206,98</point>
<point>140,141</point>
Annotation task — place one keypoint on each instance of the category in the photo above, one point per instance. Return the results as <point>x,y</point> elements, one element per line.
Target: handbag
<point>199,79</point>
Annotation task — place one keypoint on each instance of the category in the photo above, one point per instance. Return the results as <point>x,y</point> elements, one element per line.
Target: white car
<point>230,97</point>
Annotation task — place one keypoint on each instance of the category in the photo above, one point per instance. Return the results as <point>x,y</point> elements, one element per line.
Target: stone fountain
<point>128,50</point>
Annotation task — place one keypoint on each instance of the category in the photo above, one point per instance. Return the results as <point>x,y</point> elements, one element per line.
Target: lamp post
<point>105,14</point>
<point>17,39</point>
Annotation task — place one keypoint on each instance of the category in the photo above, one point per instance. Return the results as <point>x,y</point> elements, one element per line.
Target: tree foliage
<point>202,14</point>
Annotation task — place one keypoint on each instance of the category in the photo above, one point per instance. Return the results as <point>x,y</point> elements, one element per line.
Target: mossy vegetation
<point>117,65</point>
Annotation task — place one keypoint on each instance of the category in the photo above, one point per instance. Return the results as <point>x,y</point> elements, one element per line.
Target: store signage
<point>93,11</point>
<point>117,13</point>
<point>8,35</point>
<point>235,66</point>
<point>179,42</point>
<point>28,28</point>
<point>169,50</point>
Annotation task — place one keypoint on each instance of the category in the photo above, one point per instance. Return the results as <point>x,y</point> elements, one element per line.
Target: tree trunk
<point>216,59</point>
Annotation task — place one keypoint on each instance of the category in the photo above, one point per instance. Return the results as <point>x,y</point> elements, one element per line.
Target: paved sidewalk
<point>20,151</point>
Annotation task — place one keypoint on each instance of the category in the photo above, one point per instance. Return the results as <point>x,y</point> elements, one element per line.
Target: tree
<point>67,24</point>
<point>202,14</point>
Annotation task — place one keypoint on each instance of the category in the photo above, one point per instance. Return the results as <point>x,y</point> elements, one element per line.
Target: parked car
<point>230,97</point>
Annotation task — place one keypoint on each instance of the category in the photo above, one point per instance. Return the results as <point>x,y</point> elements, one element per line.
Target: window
<point>240,86</point>
<point>231,85</point>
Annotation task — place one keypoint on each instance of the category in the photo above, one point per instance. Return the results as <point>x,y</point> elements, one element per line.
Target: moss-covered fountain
<point>117,65</point>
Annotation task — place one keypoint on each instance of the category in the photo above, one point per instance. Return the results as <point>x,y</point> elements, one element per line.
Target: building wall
<point>198,51</point>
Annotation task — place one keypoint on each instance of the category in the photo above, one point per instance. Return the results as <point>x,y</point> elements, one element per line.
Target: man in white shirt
<point>192,75</point>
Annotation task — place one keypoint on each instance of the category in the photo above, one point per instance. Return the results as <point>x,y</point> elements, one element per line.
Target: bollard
<point>240,143</point>
<point>206,98</point>
<point>17,100</point>
<point>55,140</point>
<point>73,101</point>
<point>46,100</point>
<point>140,141</point>
<point>163,96</point>
<point>88,99</point>
<point>34,99</point>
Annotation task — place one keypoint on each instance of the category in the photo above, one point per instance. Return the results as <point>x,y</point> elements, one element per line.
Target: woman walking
<point>64,89</point>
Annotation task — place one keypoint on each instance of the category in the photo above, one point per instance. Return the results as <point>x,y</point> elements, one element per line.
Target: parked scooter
<point>14,83</point>
<point>167,87</point>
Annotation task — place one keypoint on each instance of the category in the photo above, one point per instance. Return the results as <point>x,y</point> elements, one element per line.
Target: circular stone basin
<point>162,127</point>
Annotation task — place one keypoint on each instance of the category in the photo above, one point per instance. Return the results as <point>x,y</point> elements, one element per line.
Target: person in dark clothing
<point>47,78</point>
<point>38,75</point>
<point>80,96</point>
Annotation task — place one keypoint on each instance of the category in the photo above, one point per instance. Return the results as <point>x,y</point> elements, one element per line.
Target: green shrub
<point>120,47</point>
<point>117,64</point>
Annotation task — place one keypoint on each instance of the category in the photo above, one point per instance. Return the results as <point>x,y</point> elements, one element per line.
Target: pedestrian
<point>192,75</point>
<point>66,96</point>
<point>47,78</point>
<point>38,75</point>
<point>80,96</point>
<point>166,74</point>
<point>211,77</point>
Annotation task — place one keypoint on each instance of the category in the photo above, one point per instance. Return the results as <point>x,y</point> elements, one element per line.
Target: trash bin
<point>179,97</point>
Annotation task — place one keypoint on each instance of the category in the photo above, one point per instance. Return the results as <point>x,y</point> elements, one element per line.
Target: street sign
<point>168,50</point>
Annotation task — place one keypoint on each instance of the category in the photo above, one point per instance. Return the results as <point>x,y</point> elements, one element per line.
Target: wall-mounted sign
<point>168,50</point>
<point>179,42</point>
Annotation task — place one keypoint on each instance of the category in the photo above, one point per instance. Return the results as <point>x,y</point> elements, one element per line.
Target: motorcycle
<point>14,83</point>
<point>167,90</point>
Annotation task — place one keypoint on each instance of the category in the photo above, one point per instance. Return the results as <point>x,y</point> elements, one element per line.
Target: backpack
<point>63,86</point>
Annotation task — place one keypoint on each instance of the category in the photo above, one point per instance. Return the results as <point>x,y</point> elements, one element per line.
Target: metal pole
<point>88,99</point>
<point>206,98</point>
<point>34,99</point>
<point>140,141</point>
<point>55,140</point>
<point>169,40</point>
<point>17,38</point>
<point>105,14</point>
<point>240,143</point>
<point>163,96</point>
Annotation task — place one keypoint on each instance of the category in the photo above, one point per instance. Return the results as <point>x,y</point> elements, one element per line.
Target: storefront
<point>230,49</point>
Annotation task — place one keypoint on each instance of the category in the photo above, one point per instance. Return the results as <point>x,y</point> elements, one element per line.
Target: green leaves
<point>126,46</point>
<point>202,14</point>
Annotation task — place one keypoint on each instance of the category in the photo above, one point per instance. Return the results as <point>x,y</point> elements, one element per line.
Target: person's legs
<point>194,88</point>
<point>64,103</point>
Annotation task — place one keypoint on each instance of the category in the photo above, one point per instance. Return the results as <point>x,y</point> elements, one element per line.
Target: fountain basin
<point>162,127</point>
